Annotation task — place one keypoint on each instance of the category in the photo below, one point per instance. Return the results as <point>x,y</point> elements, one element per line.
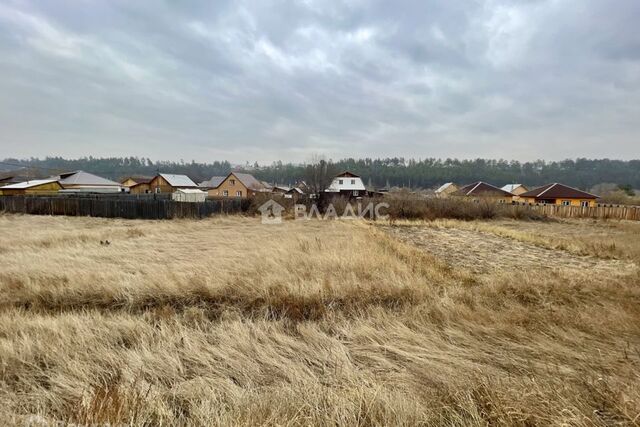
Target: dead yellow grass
<point>230,322</point>
<point>611,239</point>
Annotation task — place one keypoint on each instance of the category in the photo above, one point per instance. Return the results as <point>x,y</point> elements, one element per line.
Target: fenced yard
<point>631,213</point>
<point>129,207</point>
<point>160,206</point>
<point>407,207</point>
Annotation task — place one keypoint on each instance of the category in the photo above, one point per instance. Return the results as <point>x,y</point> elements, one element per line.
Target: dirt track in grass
<point>481,252</point>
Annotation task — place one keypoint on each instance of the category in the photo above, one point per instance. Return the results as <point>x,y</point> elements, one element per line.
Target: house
<point>85,182</point>
<point>559,194</point>
<point>515,189</point>
<point>299,190</point>
<point>347,184</point>
<point>141,187</point>
<point>294,193</point>
<point>137,184</point>
<point>484,191</point>
<point>238,184</point>
<point>33,187</point>
<point>192,195</point>
<point>168,183</point>
<point>446,189</point>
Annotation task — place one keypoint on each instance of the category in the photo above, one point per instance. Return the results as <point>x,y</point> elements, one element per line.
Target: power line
<point>29,166</point>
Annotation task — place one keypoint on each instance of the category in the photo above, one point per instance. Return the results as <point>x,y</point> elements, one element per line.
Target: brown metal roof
<point>347,174</point>
<point>558,191</point>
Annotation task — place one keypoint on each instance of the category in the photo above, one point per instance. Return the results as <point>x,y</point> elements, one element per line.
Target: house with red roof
<point>559,194</point>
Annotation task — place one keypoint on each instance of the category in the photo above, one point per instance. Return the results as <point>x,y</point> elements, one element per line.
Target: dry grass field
<point>227,321</point>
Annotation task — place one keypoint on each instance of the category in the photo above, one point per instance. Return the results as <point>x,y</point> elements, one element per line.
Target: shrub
<point>403,206</point>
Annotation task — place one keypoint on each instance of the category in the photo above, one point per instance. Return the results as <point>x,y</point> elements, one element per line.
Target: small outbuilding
<point>169,183</point>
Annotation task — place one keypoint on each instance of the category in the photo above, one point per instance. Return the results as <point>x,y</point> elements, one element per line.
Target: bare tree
<point>319,173</point>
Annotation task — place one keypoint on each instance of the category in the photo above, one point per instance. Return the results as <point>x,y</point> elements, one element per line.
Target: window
<point>157,190</point>
<point>353,181</point>
<point>501,201</point>
<point>232,182</point>
<point>225,193</point>
<point>566,203</point>
<point>356,192</point>
<point>238,193</point>
<point>340,181</point>
<point>584,203</point>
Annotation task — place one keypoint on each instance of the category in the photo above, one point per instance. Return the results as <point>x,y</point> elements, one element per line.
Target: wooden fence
<point>631,213</point>
<point>118,207</point>
<point>162,207</point>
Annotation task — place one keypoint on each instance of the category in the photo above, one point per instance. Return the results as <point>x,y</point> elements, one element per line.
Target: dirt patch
<point>485,253</point>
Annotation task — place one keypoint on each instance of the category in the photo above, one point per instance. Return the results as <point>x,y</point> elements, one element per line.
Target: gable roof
<point>248,181</point>
<point>481,188</point>
<point>281,187</point>
<point>139,179</point>
<point>347,174</point>
<point>511,187</point>
<point>444,187</point>
<point>178,180</point>
<point>84,178</point>
<point>214,182</point>
<point>28,184</point>
<point>558,191</point>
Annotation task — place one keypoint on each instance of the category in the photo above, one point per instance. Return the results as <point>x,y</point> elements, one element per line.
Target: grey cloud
<point>267,80</point>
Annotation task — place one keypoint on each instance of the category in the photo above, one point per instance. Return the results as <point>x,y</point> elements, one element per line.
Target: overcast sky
<point>266,80</point>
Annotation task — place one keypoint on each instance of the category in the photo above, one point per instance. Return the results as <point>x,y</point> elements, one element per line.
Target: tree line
<point>392,172</point>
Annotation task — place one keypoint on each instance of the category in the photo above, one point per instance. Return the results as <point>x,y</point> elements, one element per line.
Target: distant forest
<point>394,172</point>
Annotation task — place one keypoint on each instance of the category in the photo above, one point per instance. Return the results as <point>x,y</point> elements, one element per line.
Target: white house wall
<point>348,184</point>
